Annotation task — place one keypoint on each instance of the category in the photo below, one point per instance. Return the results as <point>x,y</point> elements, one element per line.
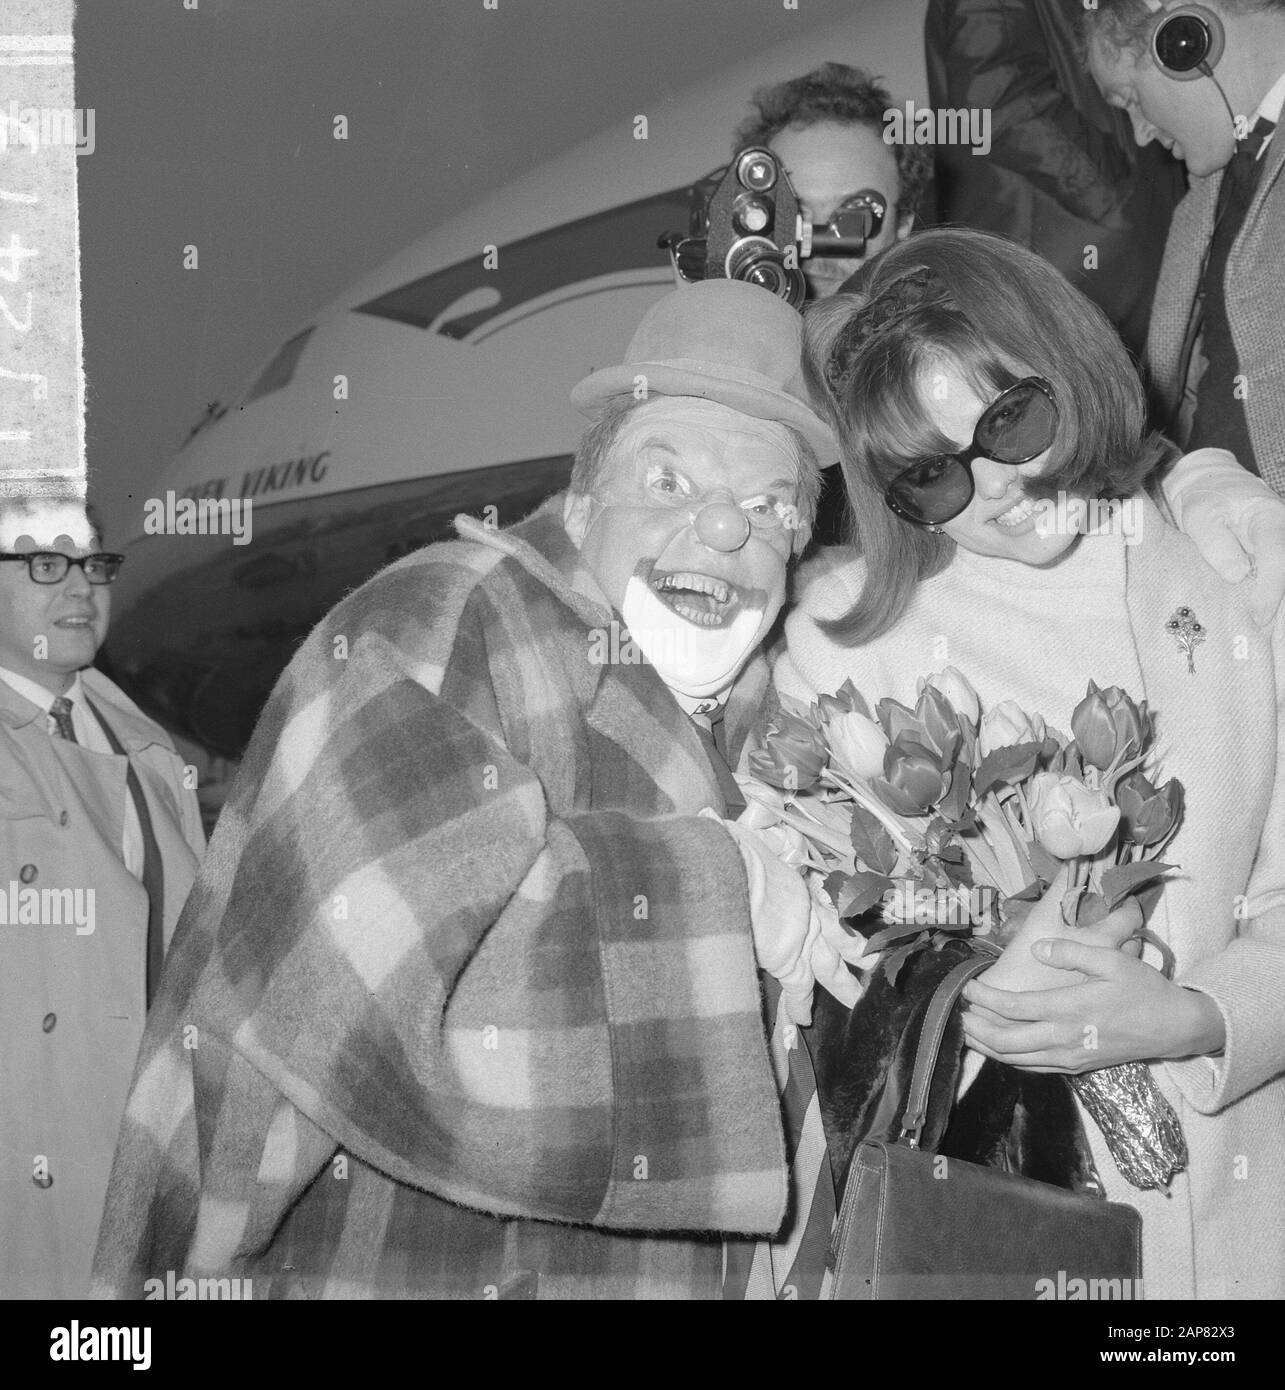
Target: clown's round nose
<point>722,526</point>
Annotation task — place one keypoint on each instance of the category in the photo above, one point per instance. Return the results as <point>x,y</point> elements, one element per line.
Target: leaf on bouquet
<point>871,842</point>
<point>861,892</point>
<point>960,875</point>
<point>1032,893</point>
<point>1012,764</point>
<point>1044,864</point>
<point>1091,909</point>
<point>899,931</point>
<point>954,805</point>
<point>833,884</point>
<point>1119,883</point>
<point>892,961</point>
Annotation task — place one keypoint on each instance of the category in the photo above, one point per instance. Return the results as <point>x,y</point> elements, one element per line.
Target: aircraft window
<point>280,371</point>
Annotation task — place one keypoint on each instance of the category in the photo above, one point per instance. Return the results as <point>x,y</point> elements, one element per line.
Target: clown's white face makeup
<point>1000,520</point>
<point>48,632</point>
<point>689,535</point>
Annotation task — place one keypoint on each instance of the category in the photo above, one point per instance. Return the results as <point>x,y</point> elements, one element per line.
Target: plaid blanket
<point>464,1003</point>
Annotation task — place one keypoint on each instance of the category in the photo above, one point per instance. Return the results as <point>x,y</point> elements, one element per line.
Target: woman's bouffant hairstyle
<point>997,313</point>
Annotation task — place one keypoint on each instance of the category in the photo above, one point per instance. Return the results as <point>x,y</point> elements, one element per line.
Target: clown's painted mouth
<point>698,598</point>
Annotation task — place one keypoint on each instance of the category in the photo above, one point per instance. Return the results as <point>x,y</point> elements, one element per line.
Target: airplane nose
<point>722,526</point>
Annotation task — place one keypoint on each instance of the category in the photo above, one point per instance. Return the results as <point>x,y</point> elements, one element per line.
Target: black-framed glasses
<point>1017,426</point>
<point>52,567</point>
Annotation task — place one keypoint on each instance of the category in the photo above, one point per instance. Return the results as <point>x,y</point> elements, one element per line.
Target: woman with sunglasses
<point>983,405</point>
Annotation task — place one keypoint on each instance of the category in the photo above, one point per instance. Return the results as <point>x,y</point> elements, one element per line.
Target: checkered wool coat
<point>464,1002</point>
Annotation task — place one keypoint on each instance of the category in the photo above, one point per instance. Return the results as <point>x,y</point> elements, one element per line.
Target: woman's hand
<point>1017,969</point>
<point>1101,1007</point>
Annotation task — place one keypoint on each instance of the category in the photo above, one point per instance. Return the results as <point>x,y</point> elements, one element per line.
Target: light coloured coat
<point>1036,637</point>
<point>72,1001</point>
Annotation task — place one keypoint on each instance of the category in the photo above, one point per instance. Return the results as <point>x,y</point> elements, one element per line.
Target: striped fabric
<point>464,1003</point>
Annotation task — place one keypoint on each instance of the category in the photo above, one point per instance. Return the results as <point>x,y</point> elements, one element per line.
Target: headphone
<point>1186,42</point>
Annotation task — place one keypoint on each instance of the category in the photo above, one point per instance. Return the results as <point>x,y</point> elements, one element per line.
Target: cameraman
<point>826,128</point>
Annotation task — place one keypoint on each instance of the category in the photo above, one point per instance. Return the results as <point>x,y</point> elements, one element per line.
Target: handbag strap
<point>932,1033</point>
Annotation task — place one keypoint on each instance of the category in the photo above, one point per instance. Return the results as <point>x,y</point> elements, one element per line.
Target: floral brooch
<point>1188,633</point>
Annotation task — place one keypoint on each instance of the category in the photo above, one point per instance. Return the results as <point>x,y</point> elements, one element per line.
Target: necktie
<point>60,713</point>
<point>712,738</point>
<point>1242,172</point>
<point>1235,194</point>
<point>153,868</point>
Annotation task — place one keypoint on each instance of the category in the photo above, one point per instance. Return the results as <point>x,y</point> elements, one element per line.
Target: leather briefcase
<point>918,1225</point>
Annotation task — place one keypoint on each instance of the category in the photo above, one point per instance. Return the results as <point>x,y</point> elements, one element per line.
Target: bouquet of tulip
<point>939,822</point>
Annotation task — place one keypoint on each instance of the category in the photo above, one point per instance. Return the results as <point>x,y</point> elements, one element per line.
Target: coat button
<point>27,873</point>
<point>47,1023</point>
<point>45,1180</point>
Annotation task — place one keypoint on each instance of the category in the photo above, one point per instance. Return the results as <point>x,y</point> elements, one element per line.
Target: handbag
<point>918,1225</point>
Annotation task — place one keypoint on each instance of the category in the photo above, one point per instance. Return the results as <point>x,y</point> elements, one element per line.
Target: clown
<point>482,932</point>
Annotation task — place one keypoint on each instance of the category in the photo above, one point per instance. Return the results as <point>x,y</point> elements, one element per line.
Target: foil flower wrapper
<point>1141,1128</point>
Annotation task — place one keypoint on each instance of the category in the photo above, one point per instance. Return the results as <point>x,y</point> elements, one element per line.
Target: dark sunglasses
<point>52,567</point>
<point>1017,426</point>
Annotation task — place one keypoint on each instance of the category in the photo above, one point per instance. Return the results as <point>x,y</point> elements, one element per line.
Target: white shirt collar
<point>38,694</point>
<point>1271,105</point>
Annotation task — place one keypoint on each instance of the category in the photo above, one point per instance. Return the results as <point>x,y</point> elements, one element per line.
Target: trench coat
<point>72,992</point>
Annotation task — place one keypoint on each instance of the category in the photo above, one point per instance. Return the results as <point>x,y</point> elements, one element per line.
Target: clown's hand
<point>781,918</point>
<point>1236,522</point>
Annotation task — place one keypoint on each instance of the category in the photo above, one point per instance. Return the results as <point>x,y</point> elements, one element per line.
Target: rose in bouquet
<point>947,821</point>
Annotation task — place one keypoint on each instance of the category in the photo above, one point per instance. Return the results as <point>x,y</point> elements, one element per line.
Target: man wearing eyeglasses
<point>99,843</point>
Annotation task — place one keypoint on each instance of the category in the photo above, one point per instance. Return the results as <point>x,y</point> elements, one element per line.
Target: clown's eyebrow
<point>656,442</point>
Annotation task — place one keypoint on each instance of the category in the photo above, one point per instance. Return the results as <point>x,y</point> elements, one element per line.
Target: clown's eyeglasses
<point>1017,426</point>
<point>52,567</point>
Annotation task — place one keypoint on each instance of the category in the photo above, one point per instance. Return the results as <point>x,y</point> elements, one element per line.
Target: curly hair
<point>848,96</point>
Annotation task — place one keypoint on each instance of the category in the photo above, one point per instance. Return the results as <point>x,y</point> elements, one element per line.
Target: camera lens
<point>758,262</point>
<point>751,213</point>
<point>756,170</point>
